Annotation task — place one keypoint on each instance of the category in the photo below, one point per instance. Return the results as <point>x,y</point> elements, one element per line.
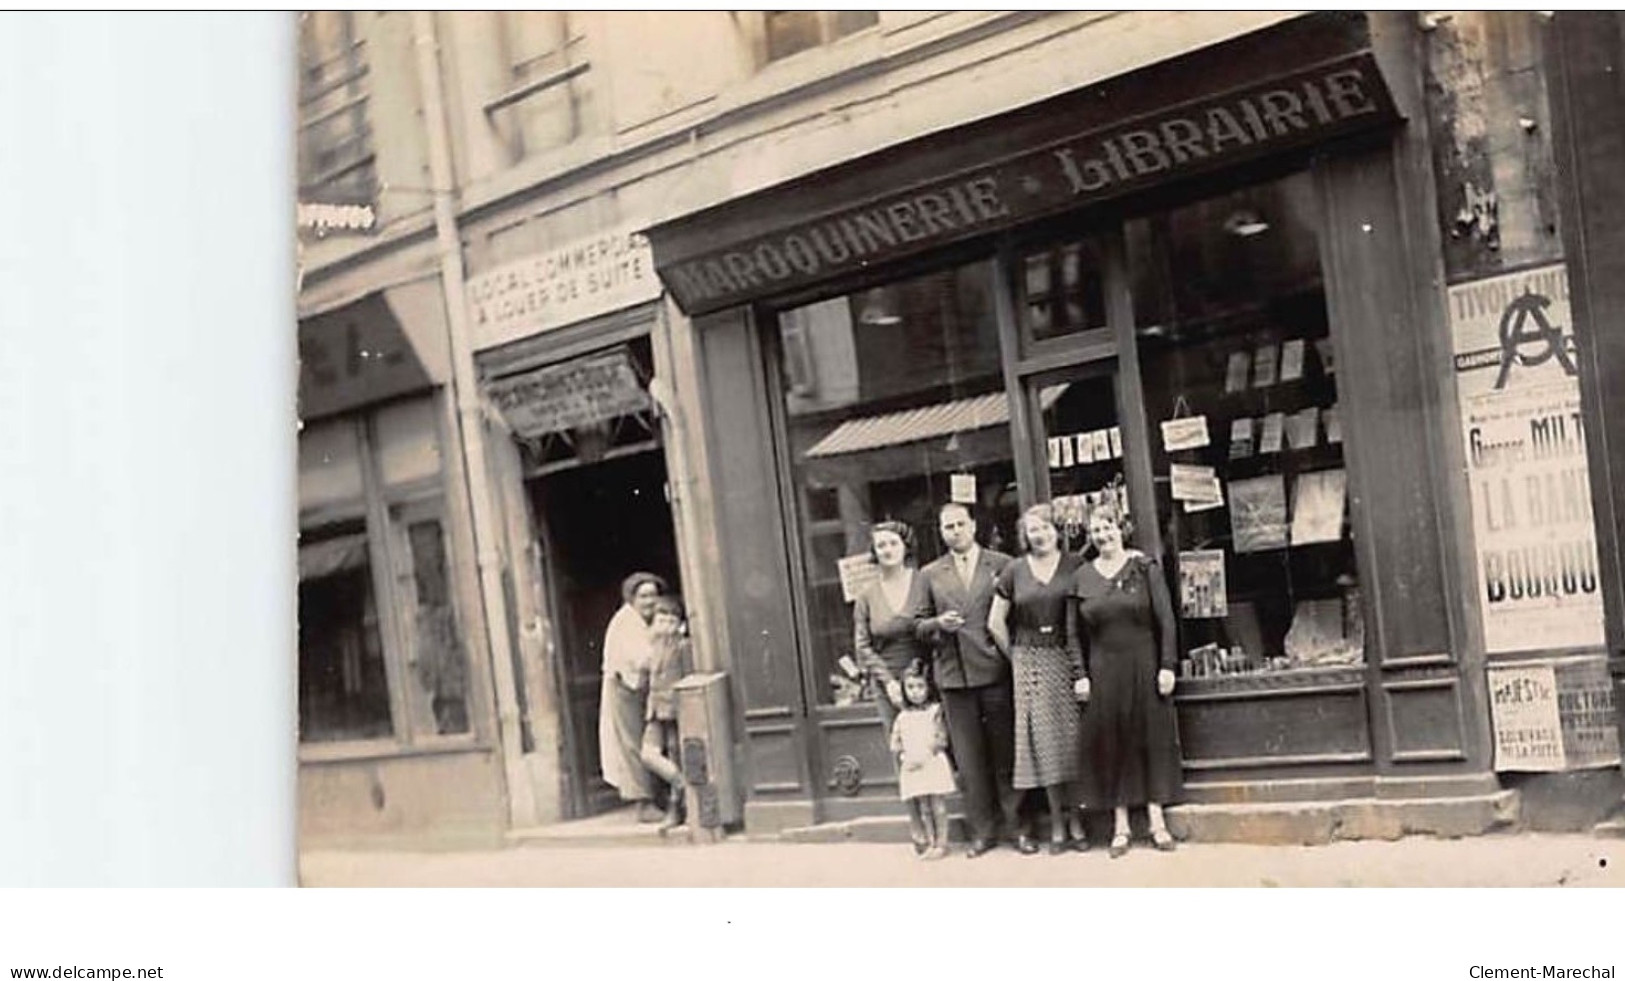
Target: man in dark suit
<point>974,678</point>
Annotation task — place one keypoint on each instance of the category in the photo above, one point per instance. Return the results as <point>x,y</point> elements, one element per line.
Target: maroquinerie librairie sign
<point>1333,99</point>
<point>579,280</point>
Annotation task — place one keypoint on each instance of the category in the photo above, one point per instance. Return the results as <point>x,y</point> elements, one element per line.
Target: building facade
<point>707,294</point>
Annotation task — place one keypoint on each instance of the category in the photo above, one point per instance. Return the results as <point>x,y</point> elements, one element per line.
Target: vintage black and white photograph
<point>959,448</point>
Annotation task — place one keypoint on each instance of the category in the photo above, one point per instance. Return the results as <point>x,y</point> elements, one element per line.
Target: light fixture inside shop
<point>877,309</point>
<point>1246,224</point>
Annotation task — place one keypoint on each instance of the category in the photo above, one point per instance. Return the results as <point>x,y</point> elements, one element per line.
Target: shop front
<point>396,732</point>
<point>569,343</point>
<point>1193,291</point>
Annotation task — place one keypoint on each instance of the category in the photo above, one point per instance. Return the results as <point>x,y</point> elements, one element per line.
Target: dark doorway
<point>598,522</point>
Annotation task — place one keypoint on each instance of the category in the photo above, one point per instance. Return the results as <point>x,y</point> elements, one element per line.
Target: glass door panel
<point>1080,447</point>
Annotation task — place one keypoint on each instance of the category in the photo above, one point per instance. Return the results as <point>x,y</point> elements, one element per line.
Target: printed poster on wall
<point>1585,712</point>
<point>1519,392</point>
<point>1523,708</point>
<point>857,573</point>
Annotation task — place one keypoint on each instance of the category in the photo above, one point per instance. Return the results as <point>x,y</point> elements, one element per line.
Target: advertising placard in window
<point>1519,392</point>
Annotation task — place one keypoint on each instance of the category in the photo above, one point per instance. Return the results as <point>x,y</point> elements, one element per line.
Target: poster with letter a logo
<point>1518,385</point>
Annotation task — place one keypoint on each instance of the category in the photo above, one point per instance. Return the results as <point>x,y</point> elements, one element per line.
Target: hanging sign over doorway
<point>572,395</point>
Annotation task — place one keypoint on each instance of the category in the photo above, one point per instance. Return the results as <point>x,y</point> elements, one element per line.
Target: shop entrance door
<point>1083,457</point>
<point>598,523</point>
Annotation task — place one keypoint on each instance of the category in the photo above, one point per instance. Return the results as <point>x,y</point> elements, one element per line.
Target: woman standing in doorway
<point>1031,619</point>
<point>883,636</point>
<point>628,649</point>
<point>1131,747</point>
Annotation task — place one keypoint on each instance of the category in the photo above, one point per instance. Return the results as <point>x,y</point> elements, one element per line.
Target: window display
<point>894,403</point>
<point>1236,355</point>
<point>378,628</point>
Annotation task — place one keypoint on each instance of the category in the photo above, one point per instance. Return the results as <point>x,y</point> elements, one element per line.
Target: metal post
<point>465,393</point>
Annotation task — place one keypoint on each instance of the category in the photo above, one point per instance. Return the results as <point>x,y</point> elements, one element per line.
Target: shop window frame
<point>1026,361</point>
<point>391,573</point>
<point>767,355</point>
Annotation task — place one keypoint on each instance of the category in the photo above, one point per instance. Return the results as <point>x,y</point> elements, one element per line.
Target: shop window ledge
<point>387,749</point>
<point>1327,680</point>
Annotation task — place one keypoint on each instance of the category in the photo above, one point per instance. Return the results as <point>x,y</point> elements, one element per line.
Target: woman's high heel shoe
<point>1119,845</point>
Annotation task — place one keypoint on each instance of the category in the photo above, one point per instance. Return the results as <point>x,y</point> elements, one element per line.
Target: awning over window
<point>928,422</point>
<point>331,556</point>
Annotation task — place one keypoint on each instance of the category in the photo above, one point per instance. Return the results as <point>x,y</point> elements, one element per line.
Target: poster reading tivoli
<point>1517,381</point>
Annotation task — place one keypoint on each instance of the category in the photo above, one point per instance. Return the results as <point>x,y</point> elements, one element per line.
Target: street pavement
<point>1493,860</point>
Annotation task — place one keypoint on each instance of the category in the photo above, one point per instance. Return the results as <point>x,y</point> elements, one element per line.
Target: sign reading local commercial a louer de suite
<point>1306,107</point>
<point>577,281</point>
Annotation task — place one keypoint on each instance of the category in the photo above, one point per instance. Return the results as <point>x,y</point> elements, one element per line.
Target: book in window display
<point>1102,444</point>
<point>1292,360</point>
<point>1264,366</point>
<point>1302,427</point>
<point>1241,438</point>
<point>1202,591</point>
<point>1270,433</point>
<point>1317,506</point>
<point>1236,371</point>
<point>1086,448</point>
<point>1258,513</point>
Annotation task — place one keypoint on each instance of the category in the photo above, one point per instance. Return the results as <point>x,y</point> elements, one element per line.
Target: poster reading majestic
<point>1517,382</point>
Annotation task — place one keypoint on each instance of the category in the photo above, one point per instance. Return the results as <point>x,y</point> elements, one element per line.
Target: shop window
<point>1062,290</point>
<point>336,159</point>
<point>894,403</point>
<point>793,31</point>
<point>343,684</point>
<point>380,652</point>
<point>1247,432</point>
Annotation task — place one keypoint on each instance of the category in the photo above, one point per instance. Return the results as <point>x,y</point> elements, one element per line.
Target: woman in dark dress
<point>1130,744</point>
<point>883,636</point>
<point>1031,620</point>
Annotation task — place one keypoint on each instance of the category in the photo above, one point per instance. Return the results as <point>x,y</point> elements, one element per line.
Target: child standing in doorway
<point>919,738</point>
<point>671,660</point>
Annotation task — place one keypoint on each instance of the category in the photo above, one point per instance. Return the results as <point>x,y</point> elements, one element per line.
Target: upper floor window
<point>792,31</point>
<point>336,159</point>
<point>546,104</point>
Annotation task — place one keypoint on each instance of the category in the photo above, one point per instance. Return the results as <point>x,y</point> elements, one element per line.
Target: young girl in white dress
<point>919,739</point>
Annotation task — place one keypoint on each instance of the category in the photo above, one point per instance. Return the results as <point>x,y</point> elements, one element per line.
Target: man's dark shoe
<point>1026,845</point>
<point>979,847</point>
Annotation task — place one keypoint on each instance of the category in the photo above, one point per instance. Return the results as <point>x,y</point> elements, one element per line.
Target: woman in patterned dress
<point>1032,620</point>
<point>1130,742</point>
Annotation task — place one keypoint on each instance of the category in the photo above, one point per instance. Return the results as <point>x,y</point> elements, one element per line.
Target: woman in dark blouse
<point>883,636</point>
<point>1031,619</point>
<point>1130,743</point>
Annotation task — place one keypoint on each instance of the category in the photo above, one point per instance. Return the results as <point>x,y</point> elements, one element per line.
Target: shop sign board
<point>1553,715</point>
<point>1519,393</point>
<point>577,281</point>
<point>1292,110</point>
<point>572,395</point>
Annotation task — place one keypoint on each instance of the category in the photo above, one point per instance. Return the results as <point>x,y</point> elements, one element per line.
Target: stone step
<point>1296,823</point>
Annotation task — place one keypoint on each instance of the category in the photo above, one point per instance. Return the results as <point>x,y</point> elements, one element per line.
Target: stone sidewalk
<point>1492,860</point>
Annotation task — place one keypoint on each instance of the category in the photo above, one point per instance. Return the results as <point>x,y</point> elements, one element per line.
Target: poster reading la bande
<point>1517,381</point>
